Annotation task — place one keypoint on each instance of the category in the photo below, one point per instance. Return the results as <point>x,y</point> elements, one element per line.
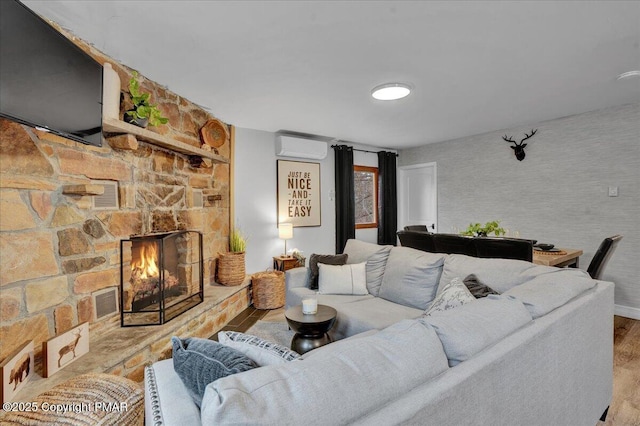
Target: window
<point>365,180</point>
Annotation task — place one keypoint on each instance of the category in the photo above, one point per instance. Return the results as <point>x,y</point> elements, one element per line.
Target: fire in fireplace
<point>160,276</point>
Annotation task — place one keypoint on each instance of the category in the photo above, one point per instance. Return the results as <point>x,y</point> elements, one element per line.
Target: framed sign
<point>299,193</point>
<point>65,349</point>
<point>16,370</point>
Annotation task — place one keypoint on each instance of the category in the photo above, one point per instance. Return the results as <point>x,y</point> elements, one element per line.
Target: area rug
<point>277,332</point>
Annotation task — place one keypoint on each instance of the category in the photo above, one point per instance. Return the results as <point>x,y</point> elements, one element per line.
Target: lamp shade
<point>285,231</point>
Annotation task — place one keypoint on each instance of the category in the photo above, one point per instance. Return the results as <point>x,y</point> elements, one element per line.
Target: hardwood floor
<point>243,321</point>
<point>625,406</point>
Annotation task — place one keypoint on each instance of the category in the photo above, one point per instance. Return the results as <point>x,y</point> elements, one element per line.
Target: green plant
<point>141,106</point>
<point>237,241</point>
<point>478,230</point>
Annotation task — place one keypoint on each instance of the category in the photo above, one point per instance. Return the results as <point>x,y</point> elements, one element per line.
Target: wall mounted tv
<point>45,80</point>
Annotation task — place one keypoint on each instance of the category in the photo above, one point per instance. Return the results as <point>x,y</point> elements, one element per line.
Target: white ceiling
<point>310,66</point>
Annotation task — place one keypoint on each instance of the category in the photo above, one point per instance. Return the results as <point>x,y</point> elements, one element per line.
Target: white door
<point>418,196</point>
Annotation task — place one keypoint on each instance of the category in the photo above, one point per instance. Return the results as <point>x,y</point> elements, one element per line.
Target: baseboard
<point>627,311</point>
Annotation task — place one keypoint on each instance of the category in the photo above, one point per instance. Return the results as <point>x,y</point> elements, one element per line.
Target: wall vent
<point>197,198</point>
<point>105,302</point>
<point>108,200</point>
<point>289,146</point>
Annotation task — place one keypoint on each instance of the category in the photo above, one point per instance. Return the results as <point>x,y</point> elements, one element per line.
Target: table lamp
<point>285,232</point>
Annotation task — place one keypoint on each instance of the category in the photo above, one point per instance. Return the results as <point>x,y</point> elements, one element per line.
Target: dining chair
<point>416,228</point>
<point>454,244</point>
<point>420,240</point>
<point>602,256</point>
<point>504,248</point>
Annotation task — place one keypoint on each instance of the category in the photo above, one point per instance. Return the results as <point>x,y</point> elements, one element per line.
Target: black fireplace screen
<point>160,277</point>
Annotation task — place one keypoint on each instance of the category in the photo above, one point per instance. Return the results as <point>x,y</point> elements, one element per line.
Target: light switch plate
<point>613,191</point>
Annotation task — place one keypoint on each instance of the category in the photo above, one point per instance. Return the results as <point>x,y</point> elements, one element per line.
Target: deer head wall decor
<point>518,148</point>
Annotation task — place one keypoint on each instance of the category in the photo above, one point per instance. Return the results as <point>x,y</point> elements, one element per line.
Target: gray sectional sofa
<point>539,353</point>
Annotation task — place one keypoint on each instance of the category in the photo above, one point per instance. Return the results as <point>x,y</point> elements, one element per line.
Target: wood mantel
<point>111,125</point>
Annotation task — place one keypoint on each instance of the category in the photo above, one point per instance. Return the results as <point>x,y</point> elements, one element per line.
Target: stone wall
<point>56,250</point>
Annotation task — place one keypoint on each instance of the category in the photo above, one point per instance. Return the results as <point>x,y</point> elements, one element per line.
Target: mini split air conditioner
<point>289,146</point>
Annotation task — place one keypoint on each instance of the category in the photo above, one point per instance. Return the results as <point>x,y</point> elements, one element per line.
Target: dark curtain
<point>345,196</point>
<point>387,198</point>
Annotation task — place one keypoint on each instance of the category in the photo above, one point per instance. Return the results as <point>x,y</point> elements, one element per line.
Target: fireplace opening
<point>160,277</point>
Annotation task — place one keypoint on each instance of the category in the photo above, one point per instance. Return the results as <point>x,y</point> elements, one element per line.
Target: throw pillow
<point>411,277</point>
<point>545,293</point>
<point>327,259</point>
<point>376,257</point>
<point>467,330</point>
<point>503,274</point>
<point>262,352</point>
<point>477,288</point>
<point>199,362</point>
<point>343,279</point>
<point>452,295</point>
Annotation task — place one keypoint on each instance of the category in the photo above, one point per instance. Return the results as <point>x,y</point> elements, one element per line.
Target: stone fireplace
<point>59,249</point>
<point>160,277</point>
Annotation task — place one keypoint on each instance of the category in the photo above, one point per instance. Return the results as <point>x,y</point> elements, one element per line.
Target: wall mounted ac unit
<point>290,146</point>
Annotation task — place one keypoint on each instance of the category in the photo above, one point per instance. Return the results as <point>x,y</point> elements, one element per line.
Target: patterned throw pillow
<point>477,288</point>
<point>261,351</point>
<point>199,362</point>
<point>327,259</point>
<point>452,295</point>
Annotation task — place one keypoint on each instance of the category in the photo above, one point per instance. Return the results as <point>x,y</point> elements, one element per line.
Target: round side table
<point>311,330</point>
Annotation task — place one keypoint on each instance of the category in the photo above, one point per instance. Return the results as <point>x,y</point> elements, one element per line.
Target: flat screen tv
<point>46,81</point>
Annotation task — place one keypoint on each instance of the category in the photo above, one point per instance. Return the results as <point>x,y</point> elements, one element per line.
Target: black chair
<point>416,228</point>
<point>452,243</point>
<point>505,248</point>
<point>420,240</point>
<point>602,256</point>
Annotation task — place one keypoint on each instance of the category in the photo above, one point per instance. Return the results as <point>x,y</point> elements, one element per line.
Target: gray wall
<point>255,201</point>
<point>558,194</point>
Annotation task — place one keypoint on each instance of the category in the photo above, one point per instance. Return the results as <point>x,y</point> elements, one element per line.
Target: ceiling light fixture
<point>628,74</point>
<point>391,91</point>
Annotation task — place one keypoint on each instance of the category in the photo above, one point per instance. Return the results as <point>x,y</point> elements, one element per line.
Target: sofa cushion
<point>470,328</point>
<point>368,314</point>
<point>411,277</point>
<point>327,259</point>
<point>262,352</point>
<point>453,295</point>
<point>199,362</point>
<point>547,292</point>
<point>343,279</point>
<point>476,288</point>
<point>500,274</point>
<point>376,257</point>
<point>295,296</point>
<point>399,359</point>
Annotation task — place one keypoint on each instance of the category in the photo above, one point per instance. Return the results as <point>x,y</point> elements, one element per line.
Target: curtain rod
<point>362,150</point>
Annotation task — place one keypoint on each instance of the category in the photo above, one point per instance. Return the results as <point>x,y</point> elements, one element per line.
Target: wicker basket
<point>268,289</point>
<point>231,270</point>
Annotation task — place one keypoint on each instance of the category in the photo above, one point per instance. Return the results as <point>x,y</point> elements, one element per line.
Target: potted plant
<point>231,265</point>
<point>477,230</point>
<point>299,256</point>
<point>142,113</point>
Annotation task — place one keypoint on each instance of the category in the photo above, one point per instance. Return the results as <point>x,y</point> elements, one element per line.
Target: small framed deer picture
<point>65,348</point>
<point>16,370</point>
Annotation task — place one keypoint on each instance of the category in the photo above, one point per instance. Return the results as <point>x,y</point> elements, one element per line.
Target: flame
<point>146,264</point>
